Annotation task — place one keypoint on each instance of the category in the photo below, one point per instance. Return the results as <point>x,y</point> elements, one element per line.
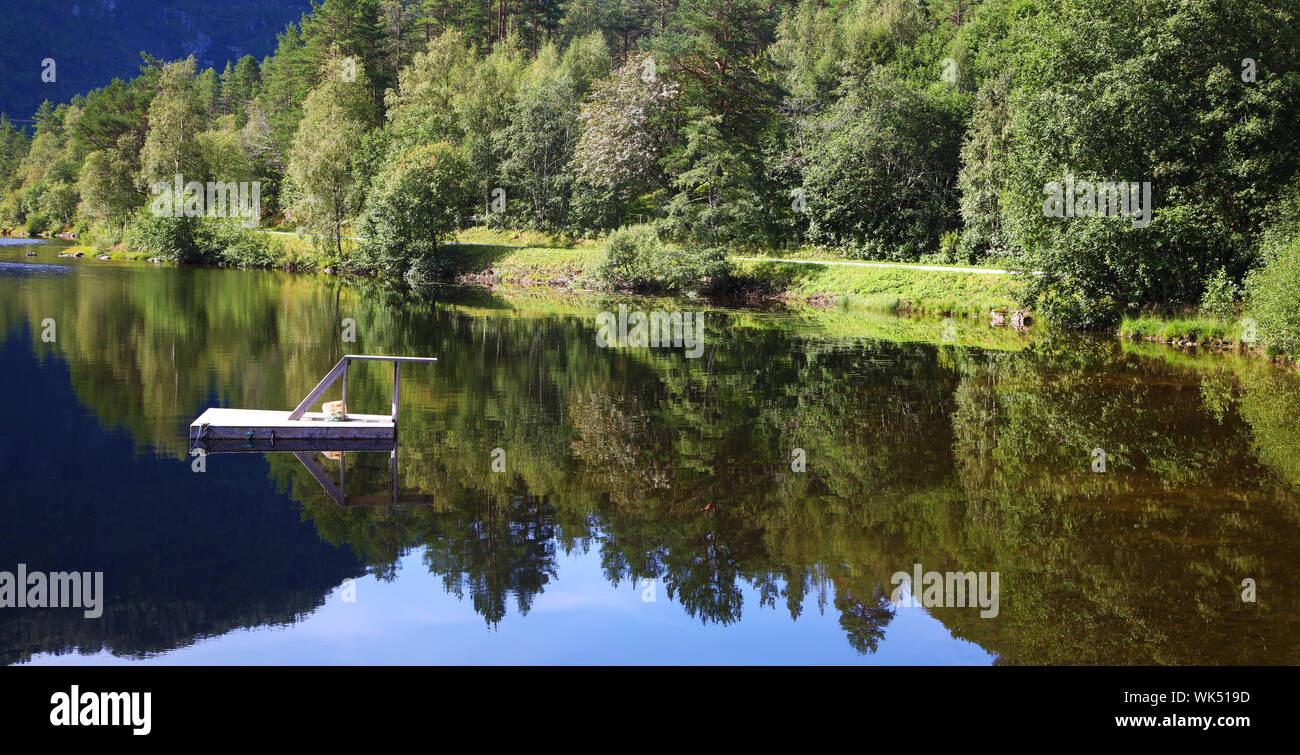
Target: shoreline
<point>901,290</point>
<point>544,261</point>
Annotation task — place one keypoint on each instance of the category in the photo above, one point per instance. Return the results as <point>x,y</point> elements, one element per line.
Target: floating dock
<point>278,430</point>
<point>235,425</point>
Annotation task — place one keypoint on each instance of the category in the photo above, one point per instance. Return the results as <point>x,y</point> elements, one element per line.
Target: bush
<point>243,247</point>
<point>689,268</point>
<point>37,223</point>
<point>182,240</point>
<point>635,259</point>
<point>623,264</point>
<point>199,240</point>
<point>1274,290</point>
<point>412,209</point>
<point>1220,296</point>
<point>1071,309</point>
<point>949,253</point>
<point>102,236</point>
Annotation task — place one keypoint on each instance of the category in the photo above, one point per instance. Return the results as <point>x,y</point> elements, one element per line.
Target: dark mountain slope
<point>92,41</point>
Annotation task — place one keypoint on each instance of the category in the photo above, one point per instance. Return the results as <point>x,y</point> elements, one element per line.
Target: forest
<point>679,131</point>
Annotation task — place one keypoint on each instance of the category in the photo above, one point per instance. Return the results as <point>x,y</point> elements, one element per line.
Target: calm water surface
<point>648,510</point>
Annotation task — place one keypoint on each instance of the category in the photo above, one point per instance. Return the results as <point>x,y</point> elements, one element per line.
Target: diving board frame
<point>338,492</point>
<point>219,426</point>
<point>341,371</point>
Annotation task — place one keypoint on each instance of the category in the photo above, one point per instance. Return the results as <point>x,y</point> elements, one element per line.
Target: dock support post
<point>397,383</point>
<point>397,379</point>
<point>346,362</point>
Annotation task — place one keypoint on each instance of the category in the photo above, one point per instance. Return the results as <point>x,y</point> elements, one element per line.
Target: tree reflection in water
<point>678,470</point>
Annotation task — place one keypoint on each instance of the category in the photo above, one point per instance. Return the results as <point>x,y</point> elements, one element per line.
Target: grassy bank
<point>529,259</point>
<point>491,257</point>
<point>1190,331</point>
<point>836,296</point>
<point>522,258</point>
<point>893,289</point>
<point>533,259</point>
<point>896,290</point>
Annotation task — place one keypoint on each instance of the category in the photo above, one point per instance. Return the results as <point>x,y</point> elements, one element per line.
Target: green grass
<point>532,259</point>
<point>522,266</point>
<point>878,289</point>
<point>1196,329</point>
<point>888,289</point>
<point>507,237</point>
<point>822,254</point>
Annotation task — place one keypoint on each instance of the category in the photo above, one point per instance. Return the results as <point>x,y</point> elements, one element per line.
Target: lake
<point>587,502</point>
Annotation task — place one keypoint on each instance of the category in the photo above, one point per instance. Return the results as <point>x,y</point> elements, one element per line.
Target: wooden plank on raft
<point>231,424</point>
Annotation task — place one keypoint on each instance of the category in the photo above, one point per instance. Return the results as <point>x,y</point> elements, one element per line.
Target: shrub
<point>1274,292</point>
<point>243,247</point>
<point>413,208</point>
<point>623,263</point>
<point>1072,309</point>
<point>636,259</point>
<point>1220,296</point>
<point>102,236</point>
<point>689,268</point>
<point>199,240</point>
<point>182,240</point>
<point>37,223</point>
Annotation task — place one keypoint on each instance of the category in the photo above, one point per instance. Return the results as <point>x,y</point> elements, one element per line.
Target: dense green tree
<point>13,147</point>
<point>115,110</point>
<point>623,135</point>
<point>543,128</point>
<point>715,202</point>
<point>208,84</point>
<point>240,84</point>
<point>1197,101</point>
<point>715,52</point>
<point>107,186</point>
<point>352,30</point>
<point>424,105</point>
<point>414,205</point>
<point>176,116</point>
<point>484,115</point>
<point>335,117</point>
<point>983,170</point>
<point>881,169</point>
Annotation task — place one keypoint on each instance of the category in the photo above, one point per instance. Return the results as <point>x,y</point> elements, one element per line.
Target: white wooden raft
<point>299,424</point>
<point>235,424</point>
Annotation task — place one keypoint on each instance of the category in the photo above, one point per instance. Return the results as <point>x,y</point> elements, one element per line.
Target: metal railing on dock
<point>341,371</point>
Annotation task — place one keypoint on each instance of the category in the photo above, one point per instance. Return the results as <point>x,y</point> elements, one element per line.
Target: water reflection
<point>664,469</point>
